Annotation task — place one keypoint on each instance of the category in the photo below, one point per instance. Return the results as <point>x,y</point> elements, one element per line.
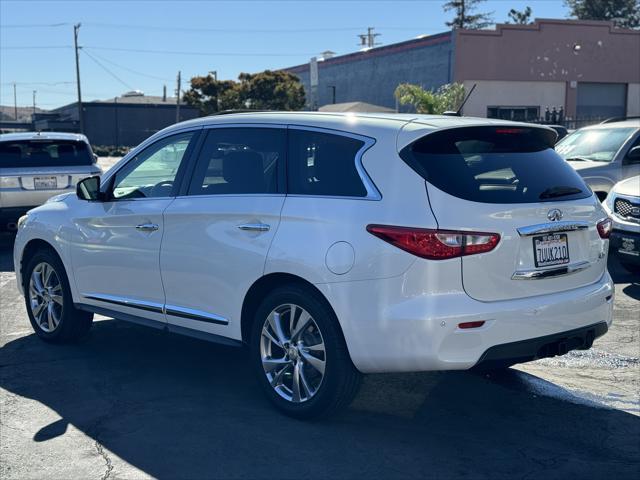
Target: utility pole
<point>15,102</point>
<point>75,43</point>
<point>368,40</point>
<point>178,98</point>
<point>34,102</point>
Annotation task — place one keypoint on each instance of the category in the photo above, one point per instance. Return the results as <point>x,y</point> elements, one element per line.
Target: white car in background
<point>623,205</point>
<point>332,245</point>
<point>603,154</point>
<point>35,166</point>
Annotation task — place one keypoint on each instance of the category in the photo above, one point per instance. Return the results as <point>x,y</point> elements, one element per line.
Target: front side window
<point>152,173</point>
<point>323,164</point>
<point>595,144</point>
<point>236,161</point>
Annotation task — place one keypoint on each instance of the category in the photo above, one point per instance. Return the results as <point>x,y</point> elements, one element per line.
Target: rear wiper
<point>560,191</point>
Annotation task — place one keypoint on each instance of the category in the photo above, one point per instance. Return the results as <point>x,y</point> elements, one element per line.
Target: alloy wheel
<point>45,297</point>
<point>293,353</point>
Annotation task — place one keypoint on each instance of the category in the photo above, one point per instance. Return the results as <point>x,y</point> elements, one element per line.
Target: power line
<point>130,69</point>
<point>40,83</point>
<point>36,25</point>
<point>208,54</point>
<point>36,47</point>
<point>106,69</point>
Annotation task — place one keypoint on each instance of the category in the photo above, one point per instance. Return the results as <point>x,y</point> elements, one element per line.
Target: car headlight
<point>22,220</point>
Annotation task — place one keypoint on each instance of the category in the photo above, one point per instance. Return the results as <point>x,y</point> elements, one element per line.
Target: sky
<point>129,45</point>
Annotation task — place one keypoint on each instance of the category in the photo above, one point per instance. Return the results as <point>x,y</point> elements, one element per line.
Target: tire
<point>323,387</point>
<point>61,322</point>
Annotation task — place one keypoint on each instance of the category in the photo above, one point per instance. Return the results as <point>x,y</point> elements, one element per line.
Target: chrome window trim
<point>553,227</point>
<point>372,190</point>
<point>550,272</point>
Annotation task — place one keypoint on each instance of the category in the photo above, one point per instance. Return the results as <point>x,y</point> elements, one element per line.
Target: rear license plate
<point>629,246</point>
<point>551,250</point>
<point>45,183</point>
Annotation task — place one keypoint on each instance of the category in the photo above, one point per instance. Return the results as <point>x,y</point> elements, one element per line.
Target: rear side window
<point>323,164</point>
<point>495,165</point>
<point>239,161</point>
<point>44,153</point>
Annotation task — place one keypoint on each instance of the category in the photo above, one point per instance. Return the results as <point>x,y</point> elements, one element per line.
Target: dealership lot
<point>130,402</point>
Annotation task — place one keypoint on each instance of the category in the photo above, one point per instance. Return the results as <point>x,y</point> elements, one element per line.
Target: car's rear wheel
<point>48,300</point>
<point>299,354</point>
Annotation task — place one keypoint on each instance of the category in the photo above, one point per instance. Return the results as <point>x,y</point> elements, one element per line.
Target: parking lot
<point>131,402</point>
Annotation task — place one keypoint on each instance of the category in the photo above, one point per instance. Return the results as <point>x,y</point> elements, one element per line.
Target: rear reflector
<point>435,244</point>
<point>477,324</point>
<point>604,227</point>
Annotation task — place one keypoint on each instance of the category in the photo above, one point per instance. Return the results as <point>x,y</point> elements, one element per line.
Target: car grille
<point>627,209</point>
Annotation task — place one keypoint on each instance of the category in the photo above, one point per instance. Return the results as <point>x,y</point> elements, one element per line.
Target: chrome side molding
<point>553,227</point>
<point>193,314</point>
<point>126,302</point>
<point>551,272</point>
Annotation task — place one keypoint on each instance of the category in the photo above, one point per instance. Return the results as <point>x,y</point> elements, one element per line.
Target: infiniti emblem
<point>554,214</point>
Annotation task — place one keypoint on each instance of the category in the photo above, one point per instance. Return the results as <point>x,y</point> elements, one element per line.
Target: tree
<point>464,17</point>
<point>520,17</point>
<point>623,13</point>
<point>447,97</point>
<point>271,90</point>
<point>267,90</point>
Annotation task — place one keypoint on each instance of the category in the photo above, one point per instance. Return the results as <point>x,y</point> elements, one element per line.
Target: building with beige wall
<point>590,69</point>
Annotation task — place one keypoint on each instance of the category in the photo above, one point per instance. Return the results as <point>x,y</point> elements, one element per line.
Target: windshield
<point>44,153</point>
<point>598,144</point>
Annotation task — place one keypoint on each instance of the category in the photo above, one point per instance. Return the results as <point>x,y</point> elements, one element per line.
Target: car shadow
<point>176,407</point>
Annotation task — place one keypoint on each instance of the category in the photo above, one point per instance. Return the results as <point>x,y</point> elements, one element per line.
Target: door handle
<point>147,227</point>
<point>255,227</point>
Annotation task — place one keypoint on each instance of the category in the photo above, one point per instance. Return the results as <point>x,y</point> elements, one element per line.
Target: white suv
<point>332,245</point>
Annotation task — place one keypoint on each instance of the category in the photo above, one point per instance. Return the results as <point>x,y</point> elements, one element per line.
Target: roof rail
<point>238,110</point>
<point>619,119</point>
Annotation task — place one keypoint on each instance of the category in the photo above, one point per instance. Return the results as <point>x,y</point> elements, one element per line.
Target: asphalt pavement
<point>131,402</point>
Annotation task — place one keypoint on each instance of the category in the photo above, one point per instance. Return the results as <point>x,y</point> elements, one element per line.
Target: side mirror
<point>89,189</point>
<point>633,155</point>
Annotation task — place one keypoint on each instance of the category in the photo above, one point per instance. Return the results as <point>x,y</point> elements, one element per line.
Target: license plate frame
<point>45,183</point>
<point>556,247</point>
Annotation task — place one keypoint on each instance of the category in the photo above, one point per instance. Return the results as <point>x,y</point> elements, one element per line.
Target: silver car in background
<point>35,166</point>
<point>603,154</point>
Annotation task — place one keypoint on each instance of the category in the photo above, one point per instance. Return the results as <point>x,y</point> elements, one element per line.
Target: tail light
<point>604,227</point>
<point>435,244</point>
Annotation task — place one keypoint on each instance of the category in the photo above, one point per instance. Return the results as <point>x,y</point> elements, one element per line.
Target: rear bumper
<point>500,356</point>
<point>626,245</point>
<point>411,323</point>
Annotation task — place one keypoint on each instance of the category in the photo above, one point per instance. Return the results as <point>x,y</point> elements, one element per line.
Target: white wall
<point>514,94</point>
<point>633,100</point>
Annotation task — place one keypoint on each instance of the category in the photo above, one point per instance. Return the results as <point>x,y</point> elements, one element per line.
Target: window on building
<point>323,164</point>
<point>518,114</point>
<point>239,161</point>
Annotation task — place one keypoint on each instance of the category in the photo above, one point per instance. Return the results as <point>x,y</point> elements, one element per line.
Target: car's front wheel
<point>48,300</point>
<point>299,354</point>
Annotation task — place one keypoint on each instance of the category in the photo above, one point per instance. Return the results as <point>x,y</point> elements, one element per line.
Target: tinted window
<point>44,153</point>
<point>323,164</point>
<point>495,165</point>
<point>151,173</point>
<point>239,161</point>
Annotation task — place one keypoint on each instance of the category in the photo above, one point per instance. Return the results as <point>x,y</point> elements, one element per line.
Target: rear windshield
<point>495,165</point>
<point>44,153</point>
